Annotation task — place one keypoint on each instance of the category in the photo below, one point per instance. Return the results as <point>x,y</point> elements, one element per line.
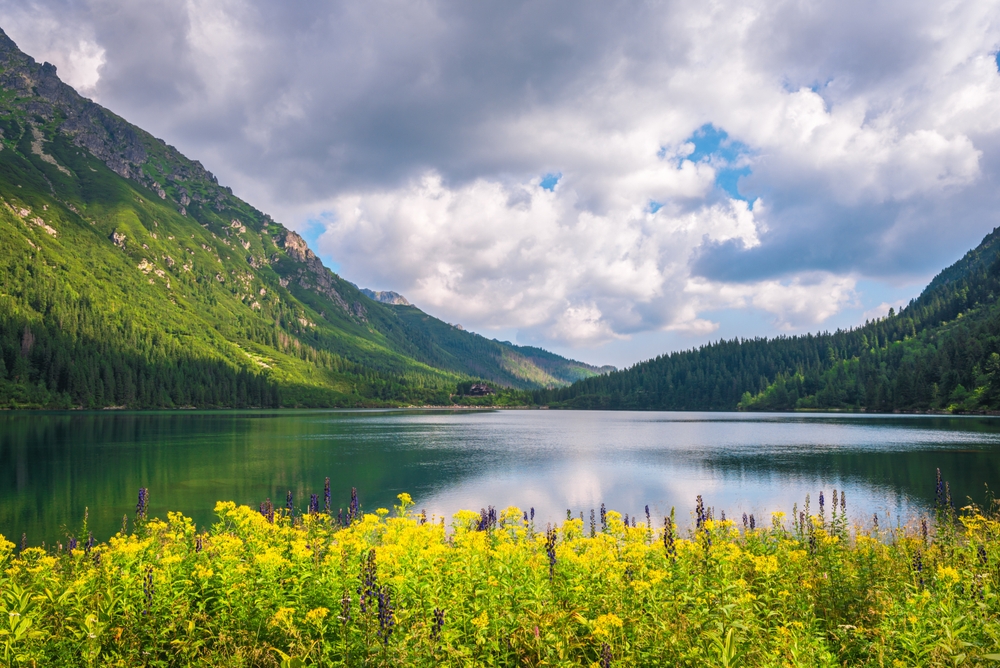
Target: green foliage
<point>270,588</point>
<point>130,277</point>
<point>941,352</point>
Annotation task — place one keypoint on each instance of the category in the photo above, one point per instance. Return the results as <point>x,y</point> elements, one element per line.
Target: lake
<point>53,465</point>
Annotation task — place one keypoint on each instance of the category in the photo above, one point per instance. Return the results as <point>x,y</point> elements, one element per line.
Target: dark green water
<point>53,465</point>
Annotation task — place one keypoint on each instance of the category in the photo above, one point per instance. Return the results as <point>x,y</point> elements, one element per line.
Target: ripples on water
<point>52,465</point>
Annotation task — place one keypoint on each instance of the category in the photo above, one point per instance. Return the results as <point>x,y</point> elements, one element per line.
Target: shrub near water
<point>262,588</point>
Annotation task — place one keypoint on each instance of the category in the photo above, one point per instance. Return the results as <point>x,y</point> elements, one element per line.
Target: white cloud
<point>417,133</point>
<point>81,67</point>
<point>517,255</point>
<point>882,309</point>
<point>71,48</point>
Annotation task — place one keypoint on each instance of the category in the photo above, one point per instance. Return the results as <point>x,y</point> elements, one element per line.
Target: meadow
<point>322,586</point>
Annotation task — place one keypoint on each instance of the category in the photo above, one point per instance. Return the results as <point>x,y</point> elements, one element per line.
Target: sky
<point>609,180</point>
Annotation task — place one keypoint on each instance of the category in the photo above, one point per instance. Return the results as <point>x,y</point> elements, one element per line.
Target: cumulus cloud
<point>861,142</point>
<point>519,255</point>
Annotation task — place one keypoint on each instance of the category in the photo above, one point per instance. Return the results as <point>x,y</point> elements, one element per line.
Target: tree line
<point>940,352</point>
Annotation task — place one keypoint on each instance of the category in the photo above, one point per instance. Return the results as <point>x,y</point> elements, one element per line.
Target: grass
<point>266,587</point>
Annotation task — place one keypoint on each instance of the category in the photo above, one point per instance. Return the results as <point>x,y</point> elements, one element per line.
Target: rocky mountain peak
<point>124,148</point>
<point>386,297</point>
<point>297,248</point>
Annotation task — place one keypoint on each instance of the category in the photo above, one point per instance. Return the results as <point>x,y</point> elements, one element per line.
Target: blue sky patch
<point>997,58</point>
<point>654,206</point>
<point>713,145</point>
<point>311,232</point>
<point>550,180</point>
<point>728,179</point>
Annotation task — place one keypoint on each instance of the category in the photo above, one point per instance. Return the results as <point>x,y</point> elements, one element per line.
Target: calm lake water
<point>53,465</point>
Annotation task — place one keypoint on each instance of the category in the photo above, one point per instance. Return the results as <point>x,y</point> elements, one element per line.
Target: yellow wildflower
<point>284,617</point>
<point>203,573</point>
<point>605,625</point>
<point>316,616</point>
<point>639,586</point>
<point>948,574</point>
<point>766,565</point>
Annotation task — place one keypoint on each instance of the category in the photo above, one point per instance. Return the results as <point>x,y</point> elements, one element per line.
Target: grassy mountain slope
<point>940,352</point>
<point>131,277</point>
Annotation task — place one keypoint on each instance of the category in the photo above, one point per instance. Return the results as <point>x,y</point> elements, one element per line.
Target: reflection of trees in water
<point>909,473</point>
<point>944,423</point>
<point>52,466</point>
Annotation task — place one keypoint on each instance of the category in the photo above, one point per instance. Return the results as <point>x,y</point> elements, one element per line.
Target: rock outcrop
<point>117,143</point>
<point>315,276</point>
<point>386,297</point>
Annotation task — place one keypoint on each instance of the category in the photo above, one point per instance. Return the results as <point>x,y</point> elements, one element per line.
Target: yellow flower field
<point>261,588</point>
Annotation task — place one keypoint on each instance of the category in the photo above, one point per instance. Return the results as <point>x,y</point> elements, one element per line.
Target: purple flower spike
<point>345,607</point>
<point>668,536</point>
<point>386,614</point>
<point>140,507</point>
<point>605,655</point>
<point>354,509</point>
<point>438,623</point>
<point>267,510</point>
<point>550,550</point>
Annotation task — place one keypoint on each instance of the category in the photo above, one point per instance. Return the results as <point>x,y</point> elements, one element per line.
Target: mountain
<point>939,353</point>
<point>385,297</point>
<point>131,277</point>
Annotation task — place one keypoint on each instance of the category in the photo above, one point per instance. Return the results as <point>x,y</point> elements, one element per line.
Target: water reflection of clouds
<point>451,460</point>
<point>629,491</point>
<point>626,460</point>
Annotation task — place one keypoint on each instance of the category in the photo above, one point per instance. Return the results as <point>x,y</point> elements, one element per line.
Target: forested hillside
<point>940,352</point>
<point>130,277</point>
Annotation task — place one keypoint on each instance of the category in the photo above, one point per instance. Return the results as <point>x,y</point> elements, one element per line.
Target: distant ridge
<point>940,353</point>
